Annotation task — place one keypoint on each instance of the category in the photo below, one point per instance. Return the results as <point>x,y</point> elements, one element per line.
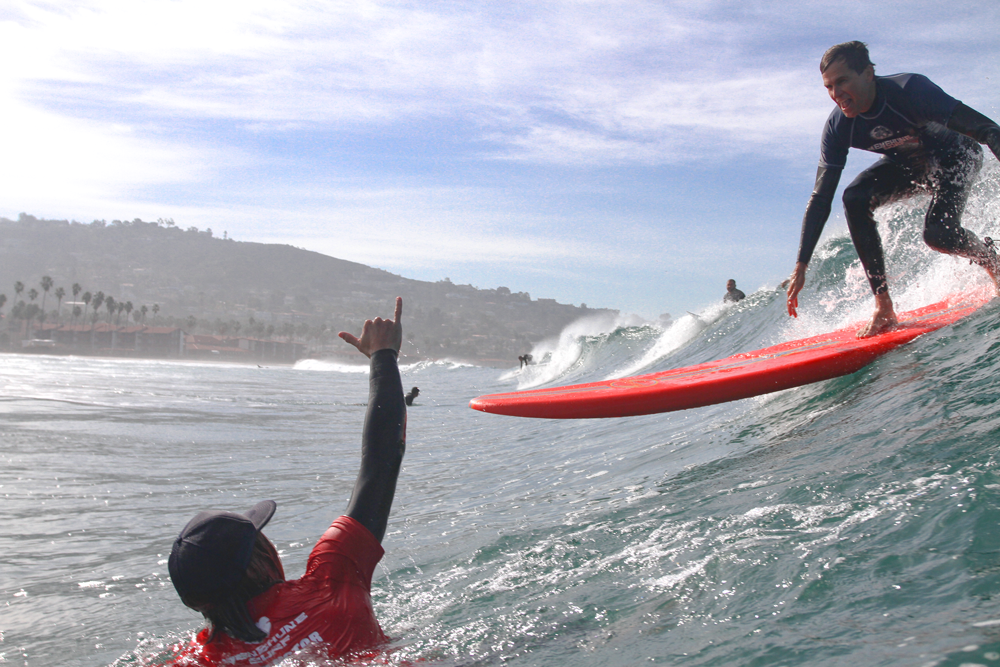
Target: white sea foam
<point>557,356</point>
<point>329,366</point>
<point>677,335</point>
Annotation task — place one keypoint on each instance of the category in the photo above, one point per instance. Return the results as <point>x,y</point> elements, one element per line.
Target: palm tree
<point>32,309</point>
<point>128,310</point>
<point>60,293</point>
<point>30,313</point>
<point>76,290</point>
<point>46,286</point>
<point>144,310</point>
<point>110,304</point>
<point>86,302</point>
<point>95,305</point>
<point>120,307</point>
<point>156,310</point>
<point>18,288</point>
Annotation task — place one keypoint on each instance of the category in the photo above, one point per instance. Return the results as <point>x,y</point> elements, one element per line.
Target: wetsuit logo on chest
<point>881,132</point>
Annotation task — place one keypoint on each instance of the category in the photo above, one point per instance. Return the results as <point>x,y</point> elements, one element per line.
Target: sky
<point>631,155</point>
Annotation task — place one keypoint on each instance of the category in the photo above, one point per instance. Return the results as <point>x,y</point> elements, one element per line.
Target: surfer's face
<point>853,92</point>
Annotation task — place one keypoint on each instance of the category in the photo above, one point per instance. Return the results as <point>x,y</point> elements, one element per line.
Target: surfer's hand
<point>379,334</point>
<point>795,283</point>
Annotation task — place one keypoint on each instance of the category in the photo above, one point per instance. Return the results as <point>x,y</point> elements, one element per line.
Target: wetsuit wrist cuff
<point>385,354</point>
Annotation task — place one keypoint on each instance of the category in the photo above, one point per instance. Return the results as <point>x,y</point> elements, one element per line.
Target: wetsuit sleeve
<point>383,443</point>
<point>836,141</point>
<point>927,100</point>
<point>971,123</point>
<point>818,210</point>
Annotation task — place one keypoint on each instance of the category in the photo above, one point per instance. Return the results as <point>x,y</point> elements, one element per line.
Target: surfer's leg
<point>883,182</point>
<point>950,183</point>
<point>880,184</point>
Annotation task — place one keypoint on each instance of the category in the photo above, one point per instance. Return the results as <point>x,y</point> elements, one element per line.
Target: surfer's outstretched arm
<point>817,212</point>
<point>383,439</point>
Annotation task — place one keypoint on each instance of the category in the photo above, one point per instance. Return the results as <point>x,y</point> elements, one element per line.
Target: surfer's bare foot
<point>995,278</point>
<point>992,264</point>
<point>883,320</point>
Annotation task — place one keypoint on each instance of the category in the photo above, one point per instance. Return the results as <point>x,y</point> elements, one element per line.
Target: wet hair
<point>231,615</point>
<point>854,54</point>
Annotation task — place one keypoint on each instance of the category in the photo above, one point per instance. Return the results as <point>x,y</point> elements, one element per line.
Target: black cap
<point>212,553</point>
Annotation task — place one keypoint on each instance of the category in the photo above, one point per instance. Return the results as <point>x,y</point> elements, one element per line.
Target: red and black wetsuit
<point>328,611</point>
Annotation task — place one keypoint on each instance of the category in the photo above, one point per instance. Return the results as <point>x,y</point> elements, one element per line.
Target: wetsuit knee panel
<point>858,202</point>
<point>944,238</point>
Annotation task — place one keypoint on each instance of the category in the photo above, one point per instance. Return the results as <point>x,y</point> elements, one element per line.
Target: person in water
<point>223,566</point>
<point>929,143</point>
<point>410,395</point>
<point>733,295</point>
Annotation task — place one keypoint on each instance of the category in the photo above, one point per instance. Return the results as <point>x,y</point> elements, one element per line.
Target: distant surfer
<point>222,565</point>
<point>525,360</point>
<point>410,395</point>
<point>733,295</point>
<point>929,142</point>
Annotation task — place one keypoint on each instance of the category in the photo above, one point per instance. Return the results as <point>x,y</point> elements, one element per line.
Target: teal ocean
<point>850,522</point>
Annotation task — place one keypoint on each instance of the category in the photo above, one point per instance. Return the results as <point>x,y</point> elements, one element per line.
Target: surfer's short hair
<point>854,53</point>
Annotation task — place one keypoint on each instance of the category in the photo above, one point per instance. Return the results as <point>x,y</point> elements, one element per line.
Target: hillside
<point>214,285</point>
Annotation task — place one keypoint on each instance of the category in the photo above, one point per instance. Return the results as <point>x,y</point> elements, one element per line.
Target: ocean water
<point>851,522</point>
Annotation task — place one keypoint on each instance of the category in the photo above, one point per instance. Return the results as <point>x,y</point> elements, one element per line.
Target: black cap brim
<point>261,513</point>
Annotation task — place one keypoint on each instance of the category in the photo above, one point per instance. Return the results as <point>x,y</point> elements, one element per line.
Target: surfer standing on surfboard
<point>929,142</point>
<point>224,567</point>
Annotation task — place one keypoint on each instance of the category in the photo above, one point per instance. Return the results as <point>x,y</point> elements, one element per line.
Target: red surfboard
<point>782,366</point>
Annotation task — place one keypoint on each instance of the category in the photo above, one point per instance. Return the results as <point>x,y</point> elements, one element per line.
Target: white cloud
<point>618,76</point>
<point>562,81</point>
<point>50,157</point>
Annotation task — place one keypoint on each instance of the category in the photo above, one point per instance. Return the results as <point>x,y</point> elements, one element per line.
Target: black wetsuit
<point>383,442</point>
<point>915,125</point>
<point>733,296</point>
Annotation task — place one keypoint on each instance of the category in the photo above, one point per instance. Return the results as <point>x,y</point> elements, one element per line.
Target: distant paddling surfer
<point>929,142</point>
<point>412,394</point>
<point>222,565</point>
<point>733,295</point>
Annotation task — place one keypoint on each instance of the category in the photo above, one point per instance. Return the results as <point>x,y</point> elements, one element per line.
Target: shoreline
<point>347,359</point>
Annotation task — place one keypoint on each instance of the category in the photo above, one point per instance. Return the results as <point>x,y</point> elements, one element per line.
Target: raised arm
<point>383,440</point>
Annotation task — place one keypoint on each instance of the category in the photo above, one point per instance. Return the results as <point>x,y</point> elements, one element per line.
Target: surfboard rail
<point>783,366</point>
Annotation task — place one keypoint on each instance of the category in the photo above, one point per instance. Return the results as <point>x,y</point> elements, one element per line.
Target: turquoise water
<point>851,522</point>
